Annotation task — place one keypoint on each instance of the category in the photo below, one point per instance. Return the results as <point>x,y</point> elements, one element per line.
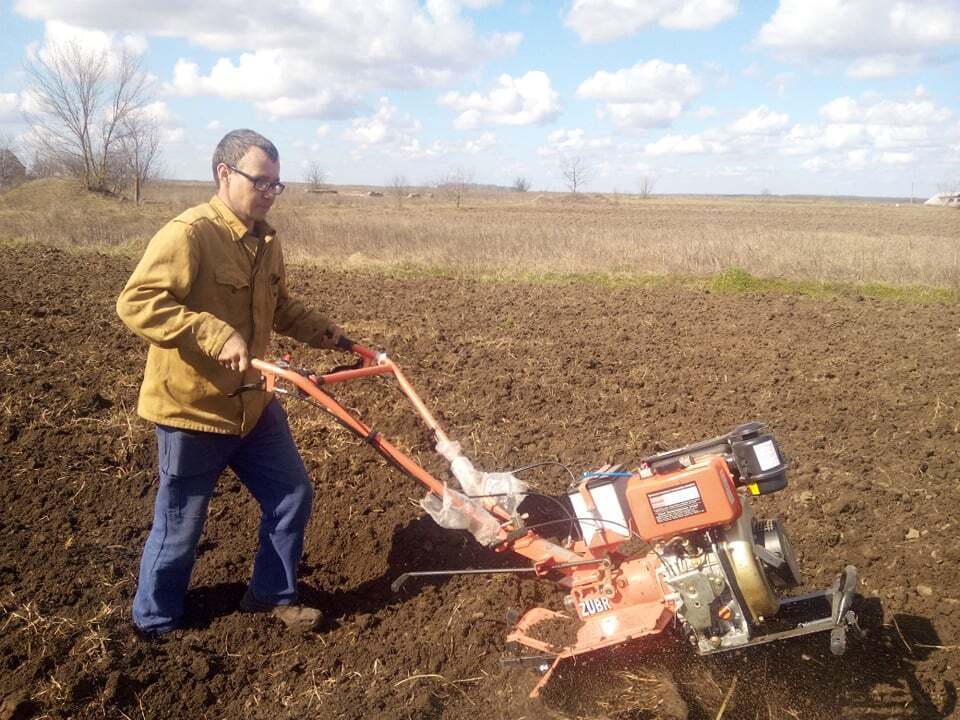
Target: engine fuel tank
<point>695,498</point>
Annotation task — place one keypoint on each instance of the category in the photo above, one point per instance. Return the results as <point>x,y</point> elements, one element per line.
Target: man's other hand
<point>234,354</point>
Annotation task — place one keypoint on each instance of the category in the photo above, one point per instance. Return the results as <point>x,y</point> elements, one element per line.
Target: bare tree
<point>139,151</point>
<point>315,175</point>
<point>647,183</point>
<point>576,172</point>
<point>398,188</point>
<point>520,184</point>
<point>457,183</point>
<point>80,100</point>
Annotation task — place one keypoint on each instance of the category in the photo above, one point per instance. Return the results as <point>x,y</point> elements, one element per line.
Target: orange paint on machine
<point>693,498</point>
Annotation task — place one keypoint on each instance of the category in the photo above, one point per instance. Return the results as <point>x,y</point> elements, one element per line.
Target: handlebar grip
<point>363,351</point>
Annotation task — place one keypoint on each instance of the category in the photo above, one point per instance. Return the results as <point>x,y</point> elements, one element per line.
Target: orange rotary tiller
<point>708,569</point>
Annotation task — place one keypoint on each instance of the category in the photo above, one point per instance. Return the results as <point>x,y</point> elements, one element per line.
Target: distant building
<point>12,171</point>
<point>949,199</point>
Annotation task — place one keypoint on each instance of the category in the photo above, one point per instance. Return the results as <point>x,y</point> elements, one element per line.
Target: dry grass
<point>507,236</point>
<point>529,236</point>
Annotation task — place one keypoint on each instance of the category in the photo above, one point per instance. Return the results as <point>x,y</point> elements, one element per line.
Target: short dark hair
<point>234,146</point>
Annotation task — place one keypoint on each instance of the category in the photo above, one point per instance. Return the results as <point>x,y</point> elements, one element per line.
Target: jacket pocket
<point>232,279</point>
<point>232,299</point>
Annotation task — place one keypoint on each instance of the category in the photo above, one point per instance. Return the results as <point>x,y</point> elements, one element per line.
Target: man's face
<point>238,192</point>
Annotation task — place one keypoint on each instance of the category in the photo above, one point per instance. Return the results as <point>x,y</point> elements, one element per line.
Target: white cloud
<point>897,158</point>
<point>135,44</point>
<point>781,82</point>
<point>388,129</point>
<point>59,34</point>
<point>388,124</point>
<point>659,113</point>
<point>864,132</point>
<point>214,125</point>
<point>882,38</point>
<point>884,66</point>
<point>159,112</point>
<point>322,131</point>
<point>731,171</point>
<point>884,112</point>
<point>645,81</point>
<point>326,104</point>
<point>271,79</point>
<point>815,164</point>
<point>891,136</point>
<point>173,136</point>
<point>697,144</point>
<point>861,159</point>
<point>808,139</point>
<point>479,144</point>
<point>526,100</point>
<point>649,94</point>
<point>698,14</point>
<point>573,141</point>
<point>858,159</point>
<point>604,20</point>
<point>9,104</point>
<point>302,58</point>
<point>874,130</point>
<point>761,121</point>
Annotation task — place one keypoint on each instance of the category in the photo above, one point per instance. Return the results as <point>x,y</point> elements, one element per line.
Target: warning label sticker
<point>675,503</point>
<point>766,455</point>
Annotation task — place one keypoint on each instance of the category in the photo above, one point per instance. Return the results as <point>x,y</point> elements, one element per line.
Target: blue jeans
<point>268,464</point>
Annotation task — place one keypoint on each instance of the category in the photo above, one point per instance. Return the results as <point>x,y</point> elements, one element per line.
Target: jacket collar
<point>261,228</point>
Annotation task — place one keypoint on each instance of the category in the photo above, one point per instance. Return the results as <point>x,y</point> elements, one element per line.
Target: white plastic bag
<point>455,511</point>
<point>505,489</point>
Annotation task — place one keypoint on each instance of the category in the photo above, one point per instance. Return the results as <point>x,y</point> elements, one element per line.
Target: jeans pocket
<point>191,453</point>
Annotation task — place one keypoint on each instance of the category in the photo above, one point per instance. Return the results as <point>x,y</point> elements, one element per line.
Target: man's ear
<point>222,172</point>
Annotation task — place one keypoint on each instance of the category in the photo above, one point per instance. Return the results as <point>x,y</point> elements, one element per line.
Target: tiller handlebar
<point>485,511</point>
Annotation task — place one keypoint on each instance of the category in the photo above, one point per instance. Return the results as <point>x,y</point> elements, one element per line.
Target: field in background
<point>527,236</point>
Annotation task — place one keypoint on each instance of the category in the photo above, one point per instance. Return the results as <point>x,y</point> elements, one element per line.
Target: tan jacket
<point>195,285</point>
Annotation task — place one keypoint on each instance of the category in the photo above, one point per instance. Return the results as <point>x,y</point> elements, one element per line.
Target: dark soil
<point>559,633</point>
<point>862,395</point>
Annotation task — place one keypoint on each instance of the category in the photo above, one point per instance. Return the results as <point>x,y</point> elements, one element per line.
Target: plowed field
<point>862,395</point>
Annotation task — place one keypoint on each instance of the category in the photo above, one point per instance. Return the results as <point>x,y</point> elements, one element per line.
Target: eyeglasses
<point>260,184</point>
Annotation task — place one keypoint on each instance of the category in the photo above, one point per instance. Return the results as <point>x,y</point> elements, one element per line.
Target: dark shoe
<point>148,635</point>
<point>298,618</point>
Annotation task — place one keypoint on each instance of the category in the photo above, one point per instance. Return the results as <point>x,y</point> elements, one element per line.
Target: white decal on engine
<point>594,606</point>
<point>676,503</point>
<point>766,455</point>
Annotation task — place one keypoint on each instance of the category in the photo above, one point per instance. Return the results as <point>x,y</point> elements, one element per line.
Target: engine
<point>721,569</point>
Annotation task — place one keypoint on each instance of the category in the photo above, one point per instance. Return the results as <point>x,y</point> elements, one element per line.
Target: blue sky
<point>702,96</point>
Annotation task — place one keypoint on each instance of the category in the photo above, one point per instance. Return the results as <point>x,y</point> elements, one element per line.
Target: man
<point>205,295</point>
